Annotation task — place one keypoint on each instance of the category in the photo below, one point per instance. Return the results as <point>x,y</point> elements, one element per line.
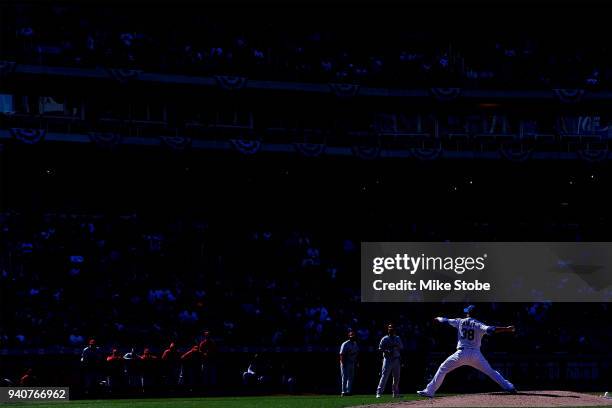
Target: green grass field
<point>278,401</point>
<point>289,401</point>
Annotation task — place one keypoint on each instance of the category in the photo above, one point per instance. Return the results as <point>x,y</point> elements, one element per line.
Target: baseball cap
<point>469,308</point>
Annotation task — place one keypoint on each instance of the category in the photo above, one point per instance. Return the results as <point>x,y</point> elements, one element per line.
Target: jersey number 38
<point>467,333</point>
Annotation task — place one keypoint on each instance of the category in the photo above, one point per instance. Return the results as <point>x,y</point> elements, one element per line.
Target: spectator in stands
<point>75,338</point>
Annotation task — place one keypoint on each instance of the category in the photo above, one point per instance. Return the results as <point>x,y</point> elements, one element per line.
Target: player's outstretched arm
<point>450,322</point>
<point>506,329</point>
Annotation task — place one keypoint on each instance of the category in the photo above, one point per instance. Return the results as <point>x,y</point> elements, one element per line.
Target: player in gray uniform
<point>348,359</point>
<point>391,346</point>
<point>469,335</point>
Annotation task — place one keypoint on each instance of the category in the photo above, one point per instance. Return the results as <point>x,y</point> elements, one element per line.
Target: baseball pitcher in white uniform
<point>391,347</point>
<point>348,359</point>
<point>469,335</point>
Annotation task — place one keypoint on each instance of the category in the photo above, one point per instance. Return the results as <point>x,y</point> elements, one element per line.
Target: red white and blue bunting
<point>123,76</point>
<point>426,153</point>
<point>593,155</point>
<point>28,136</point>
<point>6,67</point>
<point>569,95</point>
<point>515,152</point>
<point>246,146</point>
<point>366,152</point>
<point>105,139</point>
<point>310,149</point>
<point>344,90</point>
<point>176,142</point>
<point>445,94</point>
<point>231,83</point>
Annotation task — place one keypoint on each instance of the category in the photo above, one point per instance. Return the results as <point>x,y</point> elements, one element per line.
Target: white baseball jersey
<point>349,350</point>
<point>469,332</point>
<point>469,335</point>
<point>392,345</point>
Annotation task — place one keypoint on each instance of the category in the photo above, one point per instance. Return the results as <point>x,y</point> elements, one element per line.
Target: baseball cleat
<point>378,396</point>
<point>512,391</point>
<point>422,393</point>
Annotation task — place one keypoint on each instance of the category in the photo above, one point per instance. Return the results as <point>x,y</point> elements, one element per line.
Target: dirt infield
<point>522,399</point>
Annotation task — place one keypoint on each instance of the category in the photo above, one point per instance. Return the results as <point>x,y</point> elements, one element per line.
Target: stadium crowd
<point>232,42</point>
<point>137,281</point>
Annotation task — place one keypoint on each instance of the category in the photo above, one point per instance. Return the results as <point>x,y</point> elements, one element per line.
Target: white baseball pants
<point>472,358</point>
<point>347,373</point>
<point>390,367</point>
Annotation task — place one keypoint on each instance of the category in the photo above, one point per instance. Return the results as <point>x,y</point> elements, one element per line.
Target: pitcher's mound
<point>522,399</point>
